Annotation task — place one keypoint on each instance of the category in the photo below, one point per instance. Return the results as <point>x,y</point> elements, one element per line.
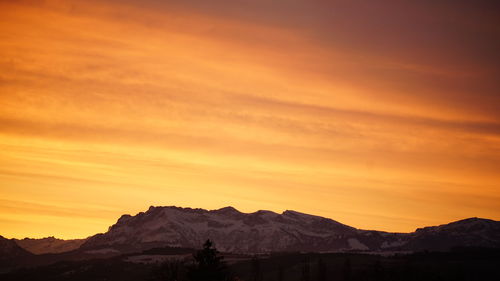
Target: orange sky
<point>378,115</point>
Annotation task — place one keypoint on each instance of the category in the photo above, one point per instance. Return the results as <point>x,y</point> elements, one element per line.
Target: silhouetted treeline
<point>464,266</point>
<point>209,265</point>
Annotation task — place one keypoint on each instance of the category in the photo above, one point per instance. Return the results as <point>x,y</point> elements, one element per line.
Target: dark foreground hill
<point>11,255</point>
<point>477,265</point>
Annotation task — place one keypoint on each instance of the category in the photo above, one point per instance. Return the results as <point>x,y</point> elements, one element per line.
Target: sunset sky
<point>378,114</point>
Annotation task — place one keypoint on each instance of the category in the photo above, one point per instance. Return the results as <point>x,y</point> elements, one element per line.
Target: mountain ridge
<point>49,245</point>
<point>268,231</point>
<point>263,231</point>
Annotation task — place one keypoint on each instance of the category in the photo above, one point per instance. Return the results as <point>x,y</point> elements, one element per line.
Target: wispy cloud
<point>382,108</point>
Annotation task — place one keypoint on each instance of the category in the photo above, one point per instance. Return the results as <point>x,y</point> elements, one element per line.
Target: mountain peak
<point>472,219</point>
<point>295,214</point>
<point>227,210</point>
<point>265,212</point>
<point>261,231</point>
<point>470,225</point>
<point>124,218</point>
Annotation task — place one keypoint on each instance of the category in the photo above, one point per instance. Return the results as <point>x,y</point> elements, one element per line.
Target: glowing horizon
<point>379,116</point>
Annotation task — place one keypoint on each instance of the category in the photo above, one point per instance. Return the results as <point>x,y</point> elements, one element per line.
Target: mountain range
<point>266,231</point>
<point>49,245</point>
<point>259,232</point>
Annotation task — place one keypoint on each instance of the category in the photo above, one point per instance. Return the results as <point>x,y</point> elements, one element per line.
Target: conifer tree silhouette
<point>208,265</point>
<point>168,271</point>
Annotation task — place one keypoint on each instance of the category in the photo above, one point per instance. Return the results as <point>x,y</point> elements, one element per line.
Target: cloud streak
<point>387,108</point>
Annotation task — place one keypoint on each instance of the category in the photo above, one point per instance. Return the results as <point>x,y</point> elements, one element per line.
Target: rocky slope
<point>265,231</point>
<point>259,232</point>
<point>232,230</point>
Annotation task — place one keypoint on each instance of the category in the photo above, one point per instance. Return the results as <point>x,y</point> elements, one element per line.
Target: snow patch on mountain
<point>354,244</point>
<point>102,251</point>
<point>392,244</point>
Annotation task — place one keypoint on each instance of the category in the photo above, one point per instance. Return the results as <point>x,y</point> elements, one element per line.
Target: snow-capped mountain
<point>232,231</point>
<point>266,231</point>
<point>259,232</point>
